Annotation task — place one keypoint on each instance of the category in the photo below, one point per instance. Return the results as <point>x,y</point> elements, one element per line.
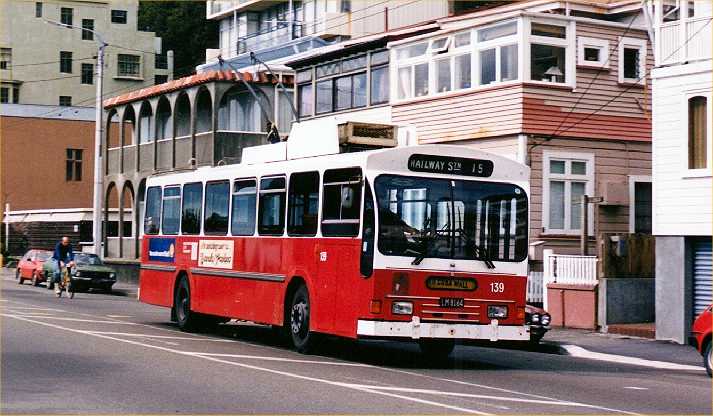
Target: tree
<point>183,28</point>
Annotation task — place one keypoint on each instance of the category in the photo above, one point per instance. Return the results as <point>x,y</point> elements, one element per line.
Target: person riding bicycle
<point>64,256</point>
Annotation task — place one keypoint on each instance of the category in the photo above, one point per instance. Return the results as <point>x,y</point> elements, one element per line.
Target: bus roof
<point>389,160</point>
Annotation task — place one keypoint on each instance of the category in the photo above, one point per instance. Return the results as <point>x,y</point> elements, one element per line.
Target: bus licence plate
<point>451,302</point>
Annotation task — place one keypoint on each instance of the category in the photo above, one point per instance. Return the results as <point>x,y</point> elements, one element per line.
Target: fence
<point>535,289</point>
<point>566,269</point>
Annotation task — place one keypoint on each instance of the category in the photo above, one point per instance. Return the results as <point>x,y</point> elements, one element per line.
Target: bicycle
<point>65,283</point>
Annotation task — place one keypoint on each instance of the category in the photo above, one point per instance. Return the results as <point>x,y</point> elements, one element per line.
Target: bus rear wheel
<point>437,349</point>
<point>298,324</point>
<point>187,320</point>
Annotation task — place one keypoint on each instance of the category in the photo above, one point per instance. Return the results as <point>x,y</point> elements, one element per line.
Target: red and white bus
<point>424,243</point>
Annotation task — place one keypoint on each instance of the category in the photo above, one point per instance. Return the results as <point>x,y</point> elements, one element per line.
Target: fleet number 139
<point>497,287</point>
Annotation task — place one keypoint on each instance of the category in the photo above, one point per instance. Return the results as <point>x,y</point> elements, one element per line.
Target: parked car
<point>539,321</point>
<point>701,337</point>
<point>30,266</point>
<point>89,273</point>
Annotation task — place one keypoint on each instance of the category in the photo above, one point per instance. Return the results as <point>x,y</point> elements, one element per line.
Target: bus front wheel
<point>298,325</point>
<point>186,319</point>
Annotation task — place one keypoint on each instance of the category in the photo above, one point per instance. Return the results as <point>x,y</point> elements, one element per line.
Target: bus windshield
<point>454,219</point>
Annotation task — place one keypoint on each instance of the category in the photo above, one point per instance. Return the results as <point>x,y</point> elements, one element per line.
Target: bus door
<point>339,251</point>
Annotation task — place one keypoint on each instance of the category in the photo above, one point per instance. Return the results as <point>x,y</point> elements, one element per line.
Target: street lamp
<point>99,73</point>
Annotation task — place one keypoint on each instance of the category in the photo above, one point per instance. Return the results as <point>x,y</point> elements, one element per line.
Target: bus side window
<point>244,201</point>
<point>170,213</point>
<point>271,215</point>
<point>192,208</point>
<point>303,203</point>
<point>341,202</point>
<point>217,205</point>
<point>366,263</point>
<point>153,210</point>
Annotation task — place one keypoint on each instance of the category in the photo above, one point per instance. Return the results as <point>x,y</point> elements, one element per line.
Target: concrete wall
<point>626,301</point>
<point>127,271</point>
<point>673,289</point>
<point>32,41</point>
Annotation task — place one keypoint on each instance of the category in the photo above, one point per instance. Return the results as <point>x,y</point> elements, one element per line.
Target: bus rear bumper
<point>416,329</point>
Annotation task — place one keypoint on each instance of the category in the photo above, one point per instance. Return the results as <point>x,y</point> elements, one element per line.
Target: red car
<point>30,266</point>
<point>701,337</point>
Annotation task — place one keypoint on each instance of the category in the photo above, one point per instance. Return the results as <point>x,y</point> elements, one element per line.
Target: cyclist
<point>64,256</point>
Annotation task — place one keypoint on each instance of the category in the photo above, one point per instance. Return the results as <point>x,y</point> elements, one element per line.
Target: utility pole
<point>98,179</point>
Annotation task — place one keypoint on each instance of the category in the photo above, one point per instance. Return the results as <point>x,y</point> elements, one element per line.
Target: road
<point>108,353</point>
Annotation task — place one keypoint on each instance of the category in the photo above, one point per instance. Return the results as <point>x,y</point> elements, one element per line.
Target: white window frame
<point>708,171</point>
<point>569,43</point>
<point>548,156</point>
<point>601,44</point>
<point>632,43</point>
<point>633,180</point>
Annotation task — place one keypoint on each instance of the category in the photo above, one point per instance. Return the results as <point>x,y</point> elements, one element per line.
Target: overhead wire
<point>646,73</point>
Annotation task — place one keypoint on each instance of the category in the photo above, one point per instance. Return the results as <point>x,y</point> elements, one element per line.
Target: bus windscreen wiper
<point>483,254</point>
<point>425,238</point>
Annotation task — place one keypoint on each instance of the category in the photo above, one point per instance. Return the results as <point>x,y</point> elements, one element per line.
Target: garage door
<point>702,275</point>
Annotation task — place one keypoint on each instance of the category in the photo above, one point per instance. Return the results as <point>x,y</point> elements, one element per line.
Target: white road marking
<point>93,321</point>
<point>119,316</point>
<point>129,334</point>
<point>263,369</point>
<point>636,388</point>
<point>579,352</point>
<point>13,308</point>
<point>476,396</point>
<point>288,360</point>
<point>365,365</point>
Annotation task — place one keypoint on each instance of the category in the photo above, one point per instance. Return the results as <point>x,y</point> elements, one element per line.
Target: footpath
<point>624,349</point>
<point>574,342</point>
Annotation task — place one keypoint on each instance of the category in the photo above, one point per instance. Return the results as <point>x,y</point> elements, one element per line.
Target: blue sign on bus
<point>162,249</point>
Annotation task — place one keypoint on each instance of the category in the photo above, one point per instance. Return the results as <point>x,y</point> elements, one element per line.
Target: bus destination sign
<point>450,165</point>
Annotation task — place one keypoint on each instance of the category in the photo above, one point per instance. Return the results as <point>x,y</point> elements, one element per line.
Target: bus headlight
<point>497,311</point>
<point>535,318</point>
<point>402,308</point>
<point>546,318</point>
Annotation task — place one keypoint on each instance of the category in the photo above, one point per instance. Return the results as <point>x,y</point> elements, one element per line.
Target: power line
<point>646,73</point>
<point>51,79</point>
<point>48,62</point>
<point>591,82</point>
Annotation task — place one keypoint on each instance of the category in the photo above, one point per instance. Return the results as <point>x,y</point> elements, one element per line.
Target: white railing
<point>680,42</point>
<point>568,269</point>
<point>535,288</point>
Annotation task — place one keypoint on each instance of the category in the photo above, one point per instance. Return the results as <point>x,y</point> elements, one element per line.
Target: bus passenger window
<point>192,203</point>
<point>272,206</point>
<point>243,216</point>
<point>153,210</point>
<point>216,208</point>
<point>171,210</point>
<point>303,203</point>
<point>342,202</point>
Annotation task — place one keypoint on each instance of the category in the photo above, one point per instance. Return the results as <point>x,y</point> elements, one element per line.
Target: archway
<point>146,123</point>
<point>126,223</point>
<point>204,111</point>
<point>182,113</point>
<point>129,136</point>
<point>110,226</point>
<point>164,124</point>
<point>240,111</point>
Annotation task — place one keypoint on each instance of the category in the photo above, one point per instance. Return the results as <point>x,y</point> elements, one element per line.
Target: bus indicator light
<point>375,307</point>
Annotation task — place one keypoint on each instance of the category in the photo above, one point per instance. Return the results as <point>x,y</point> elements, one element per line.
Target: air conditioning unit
<point>367,135</point>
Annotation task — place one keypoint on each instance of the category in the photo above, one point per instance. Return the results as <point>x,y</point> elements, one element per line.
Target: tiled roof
<point>189,81</point>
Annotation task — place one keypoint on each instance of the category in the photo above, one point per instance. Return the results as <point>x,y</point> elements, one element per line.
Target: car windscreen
<point>454,219</point>
<point>43,255</point>
<point>87,259</point>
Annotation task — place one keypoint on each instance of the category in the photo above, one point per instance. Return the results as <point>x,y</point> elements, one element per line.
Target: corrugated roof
<point>187,82</point>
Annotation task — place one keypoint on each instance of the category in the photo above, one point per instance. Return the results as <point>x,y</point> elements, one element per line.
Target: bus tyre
<point>437,349</point>
<point>298,325</point>
<point>708,358</point>
<point>187,320</point>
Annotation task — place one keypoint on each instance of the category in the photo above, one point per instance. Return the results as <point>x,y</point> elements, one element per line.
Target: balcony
<point>220,8</point>
<point>683,41</point>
